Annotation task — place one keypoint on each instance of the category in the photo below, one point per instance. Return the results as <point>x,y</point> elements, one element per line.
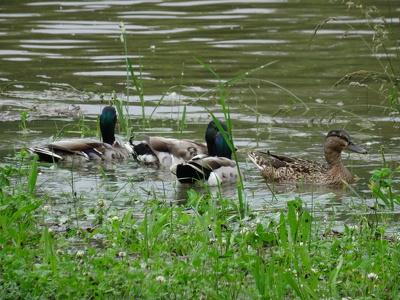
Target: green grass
<point>209,248</point>
<point>204,249</point>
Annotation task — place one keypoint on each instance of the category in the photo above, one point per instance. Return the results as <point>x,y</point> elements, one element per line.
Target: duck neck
<point>107,128</point>
<point>333,158</point>
<point>336,170</point>
<point>222,148</point>
<point>108,137</point>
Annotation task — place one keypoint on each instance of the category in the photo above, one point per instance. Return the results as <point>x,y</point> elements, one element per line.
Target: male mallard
<point>216,168</point>
<point>81,150</point>
<point>156,150</point>
<point>288,169</point>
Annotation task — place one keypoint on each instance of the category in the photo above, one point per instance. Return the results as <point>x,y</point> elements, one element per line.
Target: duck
<point>284,169</point>
<point>213,169</point>
<point>86,149</point>
<point>163,151</point>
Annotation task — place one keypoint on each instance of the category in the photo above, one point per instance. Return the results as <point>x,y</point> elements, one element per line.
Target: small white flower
<point>60,252</point>
<point>160,279</point>
<point>255,224</point>
<point>353,227</point>
<point>244,230</point>
<point>121,254</point>
<point>80,253</point>
<point>319,100</point>
<point>143,265</point>
<point>101,203</point>
<point>46,208</point>
<point>115,218</point>
<point>372,276</point>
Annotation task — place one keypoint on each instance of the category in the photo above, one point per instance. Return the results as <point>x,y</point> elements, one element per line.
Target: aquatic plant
<point>383,44</point>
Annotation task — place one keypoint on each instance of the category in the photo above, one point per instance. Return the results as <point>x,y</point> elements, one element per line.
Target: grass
<point>209,248</point>
<point>204,249</point>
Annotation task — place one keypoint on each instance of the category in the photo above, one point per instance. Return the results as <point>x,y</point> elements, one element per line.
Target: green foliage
<point>205,248</point>
<point>22,124</point>
<point>381,185</point>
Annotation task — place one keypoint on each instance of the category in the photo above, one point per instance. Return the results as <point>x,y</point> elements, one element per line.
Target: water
<point>60,59</point>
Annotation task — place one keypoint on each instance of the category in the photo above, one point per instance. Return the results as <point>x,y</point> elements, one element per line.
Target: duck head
<point>108,120</point>
<point>211,137</point>
<point>338,140</point>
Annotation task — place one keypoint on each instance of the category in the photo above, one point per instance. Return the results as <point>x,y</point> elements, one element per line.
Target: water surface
<point>62,60</point>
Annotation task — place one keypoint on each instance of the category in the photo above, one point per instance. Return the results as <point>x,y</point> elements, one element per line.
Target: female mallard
<point>288,169</point>
<point>214,169</point>
<point>81,150</point>
<point>156,150</point>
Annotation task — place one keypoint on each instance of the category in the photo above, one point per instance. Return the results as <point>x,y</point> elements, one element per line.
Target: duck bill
<point>353,147</point>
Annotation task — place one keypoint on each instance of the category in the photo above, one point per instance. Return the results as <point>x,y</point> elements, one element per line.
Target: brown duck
<point>288,169</point>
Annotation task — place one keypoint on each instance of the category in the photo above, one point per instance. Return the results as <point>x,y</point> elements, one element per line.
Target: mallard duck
<point>156,150</point>
<point>214,169</point>
<point>82,150</point>
<point>288,169</point>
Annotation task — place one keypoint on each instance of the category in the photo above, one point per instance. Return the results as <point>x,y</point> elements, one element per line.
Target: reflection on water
<point>62,60</point>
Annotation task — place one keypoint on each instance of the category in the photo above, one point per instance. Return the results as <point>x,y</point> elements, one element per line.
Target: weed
<point>381,40</point>
<point>22,124</point>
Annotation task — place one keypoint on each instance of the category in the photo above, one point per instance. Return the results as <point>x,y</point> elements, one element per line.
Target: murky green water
<point>58,56</point>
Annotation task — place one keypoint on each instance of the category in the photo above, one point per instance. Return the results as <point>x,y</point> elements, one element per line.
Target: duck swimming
<point>156,150</point>
<point>288,169</point>
<point>161,151</point>
<point>83,150</point>
<point>213,169</point>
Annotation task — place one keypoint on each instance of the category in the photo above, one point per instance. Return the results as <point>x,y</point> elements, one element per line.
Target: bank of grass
<point>203,250</point>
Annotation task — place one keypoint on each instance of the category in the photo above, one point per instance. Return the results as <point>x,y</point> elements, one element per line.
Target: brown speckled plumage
<point>288,169</point>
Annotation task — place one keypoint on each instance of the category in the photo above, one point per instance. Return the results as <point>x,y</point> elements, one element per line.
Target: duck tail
<point>258,160</point>
<point>45,155</point>
<point>190,172</point>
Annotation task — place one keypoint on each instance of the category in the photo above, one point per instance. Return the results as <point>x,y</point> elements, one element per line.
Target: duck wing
<point>296,164</point>
<point>184,149</point>
<point>80,149</point>
<point>281,168</point>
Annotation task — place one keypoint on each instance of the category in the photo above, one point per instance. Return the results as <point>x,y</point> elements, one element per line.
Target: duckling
<point>214,169</point>
<point>288,169</point>
<point>156,150</point>
<point>83,150</point>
